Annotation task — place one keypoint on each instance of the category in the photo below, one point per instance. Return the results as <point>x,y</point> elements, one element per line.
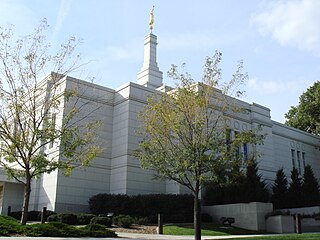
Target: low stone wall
<point>280,224</point>
<point>247,215</point>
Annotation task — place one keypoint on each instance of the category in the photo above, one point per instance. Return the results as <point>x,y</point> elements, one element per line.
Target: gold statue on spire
<point>151,20</point>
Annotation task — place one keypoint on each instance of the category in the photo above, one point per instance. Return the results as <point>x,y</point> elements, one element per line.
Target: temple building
<point>115,170</point>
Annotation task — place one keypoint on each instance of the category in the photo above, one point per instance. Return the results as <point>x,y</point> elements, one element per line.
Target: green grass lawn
<point>304,236</point>
<point>208,229</point>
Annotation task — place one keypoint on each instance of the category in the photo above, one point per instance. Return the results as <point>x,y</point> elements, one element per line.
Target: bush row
<point>124,221</point>
<point>9,226</point>
<point>175,208</point>
<point>32,215</point>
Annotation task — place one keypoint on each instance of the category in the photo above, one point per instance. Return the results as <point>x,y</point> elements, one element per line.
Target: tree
<point>185,130</point>
<point>280,190</point>
<point>37,115</point>
<point>306,115</point>
<point>254,188</point>
<point>295,190</point>
<point>310,188</point>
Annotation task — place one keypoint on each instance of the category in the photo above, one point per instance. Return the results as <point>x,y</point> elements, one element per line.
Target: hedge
<point>175,208</point>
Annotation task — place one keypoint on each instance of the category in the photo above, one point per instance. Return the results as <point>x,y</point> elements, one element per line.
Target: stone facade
<point>115,170</point>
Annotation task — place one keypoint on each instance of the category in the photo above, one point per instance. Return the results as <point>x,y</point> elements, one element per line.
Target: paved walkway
<point>132,236</point>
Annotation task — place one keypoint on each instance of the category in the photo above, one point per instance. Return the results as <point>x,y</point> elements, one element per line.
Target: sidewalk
<point>175,237</point>
<point>133,236</point>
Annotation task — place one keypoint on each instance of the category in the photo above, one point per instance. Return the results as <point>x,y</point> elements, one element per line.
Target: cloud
<point>292,22</point>
<point>61,16</point>
<point>276,87</point>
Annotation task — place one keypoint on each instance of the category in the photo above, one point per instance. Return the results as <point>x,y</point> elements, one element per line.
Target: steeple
<point>150,75</point>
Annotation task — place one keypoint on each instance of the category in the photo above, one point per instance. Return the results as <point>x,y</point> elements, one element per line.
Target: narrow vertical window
<point>245,151</point>
<point>228,138</point>
<point>293,158</point>
<point>238,147</point>
<point>299,161</point>
<point>304,159</point>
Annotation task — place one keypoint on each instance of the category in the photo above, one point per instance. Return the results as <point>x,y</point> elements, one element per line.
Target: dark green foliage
<point>53,218</point>
<point>180,208</point>
<point>107,222</point>
<point>141,220</point>
<point>280,190</point>
<point>310,188</point>
<point>9,225</point>
<point>124,221</point>
<point>68,218</point>
<point>16,215</point>
<point>32,215</point>
<point>226,194</point>
<point>53,229</point>
<point>84,218</point>
<point>48,214</point>
<point>97,230</point>
<point>306,115</point>
<point>295,190</point>
<point>255,188</point>
<point>248,188</point>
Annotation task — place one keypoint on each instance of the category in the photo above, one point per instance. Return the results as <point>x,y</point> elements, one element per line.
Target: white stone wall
<point>247,215</point>
<point>12,195</point>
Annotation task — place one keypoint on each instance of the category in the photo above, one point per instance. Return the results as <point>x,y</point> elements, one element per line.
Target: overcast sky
<point>279,41</point>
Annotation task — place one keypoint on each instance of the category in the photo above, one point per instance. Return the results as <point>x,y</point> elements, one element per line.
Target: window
<point>245,151</point>
<point>293,158</point>
<point>228,138</point>
<point>238,148</point>
<point>299,161</point>
<point>304,159</point>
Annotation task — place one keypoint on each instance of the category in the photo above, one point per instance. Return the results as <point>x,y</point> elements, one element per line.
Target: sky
<point>278,40</point>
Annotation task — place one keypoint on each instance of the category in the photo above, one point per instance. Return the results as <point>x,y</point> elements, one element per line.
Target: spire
<point>150,75</point>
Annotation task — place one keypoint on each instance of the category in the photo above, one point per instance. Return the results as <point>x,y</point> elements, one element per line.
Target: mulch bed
<point>145,229</point>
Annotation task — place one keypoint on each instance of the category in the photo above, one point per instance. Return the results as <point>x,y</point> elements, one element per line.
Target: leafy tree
<point>254,187</point>
<point>310,188</point>
<point>35,133</point>
<point>184,131</point>
<point>295,190</point>
<point>280,190</point>
<point>306,115</point>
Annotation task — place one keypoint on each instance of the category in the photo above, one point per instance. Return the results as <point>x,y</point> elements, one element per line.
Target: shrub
<point>124,221</point>
<point>53,218</point>
<point>107,222</point>
<point>84,218</point>
<point>97,230</point>
<point>143,205</point>
<point>34,216</point>
<point>9,225</point>
<point>68,218</point>
<point>48,214</point>
<point>141,220</point>
<point>17,215</point>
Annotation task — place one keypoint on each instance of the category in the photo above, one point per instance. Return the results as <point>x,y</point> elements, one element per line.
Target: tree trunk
<point>197,213</point>
<point>25,207</point>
